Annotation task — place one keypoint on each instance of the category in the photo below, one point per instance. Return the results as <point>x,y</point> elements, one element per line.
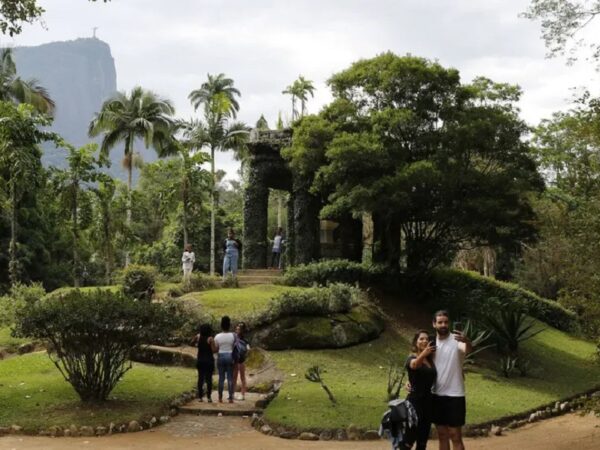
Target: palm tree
<point>292,90</point>
<point>299,90</point>
<point>217,97</point>
<point>16,90</point>
<point>141,115</point>
<point>261,123</point>
<point>303,88</point>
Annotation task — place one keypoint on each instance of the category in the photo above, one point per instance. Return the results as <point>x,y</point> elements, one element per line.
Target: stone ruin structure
<point>307,237</point>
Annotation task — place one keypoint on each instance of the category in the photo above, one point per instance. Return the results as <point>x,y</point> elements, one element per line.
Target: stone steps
<point>245,407</point>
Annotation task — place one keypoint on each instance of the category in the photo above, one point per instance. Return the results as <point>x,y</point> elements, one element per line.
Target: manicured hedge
<point>468,293</point>
<point>332,271</point>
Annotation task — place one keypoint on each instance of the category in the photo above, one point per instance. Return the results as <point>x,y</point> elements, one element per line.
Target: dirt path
<point>569,432</point>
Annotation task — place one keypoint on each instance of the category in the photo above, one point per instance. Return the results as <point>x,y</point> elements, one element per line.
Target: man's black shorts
<point>449,411</point>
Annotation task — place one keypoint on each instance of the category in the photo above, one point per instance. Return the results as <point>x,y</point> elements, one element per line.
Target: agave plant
<point>511,327</point>
<point>478,338</point>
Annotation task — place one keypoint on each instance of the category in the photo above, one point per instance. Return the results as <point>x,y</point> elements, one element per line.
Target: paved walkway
<point>569,432</point>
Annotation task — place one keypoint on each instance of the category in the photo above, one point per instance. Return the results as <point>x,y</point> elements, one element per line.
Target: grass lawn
<point>9,342</point>
<point>34,394</point>
<point>239,303</point>
<point>357,376</point>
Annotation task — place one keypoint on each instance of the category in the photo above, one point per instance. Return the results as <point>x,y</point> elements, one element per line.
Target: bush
<point>138,281</point>
<point>91,335</point>
<point>316,301</point>
<point>20,296</point>
<point>511,326</point>
<point>200,282</point>
<point>472,295</point>
<point>332,271</point>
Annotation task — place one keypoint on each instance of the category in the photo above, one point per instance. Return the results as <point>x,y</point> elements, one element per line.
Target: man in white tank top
<point>449,390</point>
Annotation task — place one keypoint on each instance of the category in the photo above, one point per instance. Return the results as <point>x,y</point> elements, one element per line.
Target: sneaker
<point>209,400</point>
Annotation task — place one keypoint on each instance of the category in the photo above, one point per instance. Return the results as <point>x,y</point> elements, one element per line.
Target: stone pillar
<point>306,227</point>
<point>290,235</point>
<point>256,202</point>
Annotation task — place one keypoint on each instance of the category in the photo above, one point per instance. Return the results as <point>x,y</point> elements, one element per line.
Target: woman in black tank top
<point>421,374</point>
<point>205,360</point>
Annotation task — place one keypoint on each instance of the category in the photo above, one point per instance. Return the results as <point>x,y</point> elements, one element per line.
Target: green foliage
<point>200,282</point>
<point>316,301</point>
<point>511,326</point>
<point>405,141</point>
<point>507,365</point>
<point>91,335</point>
<point>472,295</point>
<point>230,282</point>
<point>478,338</point>
<point>138,281</point>
<point>332,271</point>
<point>20,296</point>
<point>561,21</point>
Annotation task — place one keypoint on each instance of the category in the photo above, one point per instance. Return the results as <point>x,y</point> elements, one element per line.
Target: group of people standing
<point>436,384</point>
<point>232,248</point>
<point>231,349</point>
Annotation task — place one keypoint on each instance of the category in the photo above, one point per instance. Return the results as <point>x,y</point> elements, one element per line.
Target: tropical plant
<point>478,338</point>
<point>218,98</point>
<point>507,365</point>
<point>16,90</point>
<point>82,172</point>
<point>124,118</point>
<point>299,90</point>
<point>20,165</point>
<point>314,375</point>
<point>91,335</point>
<point>511,326</point>
<point>261,123</point>
<point>396,375</point>
<point>105,224</point>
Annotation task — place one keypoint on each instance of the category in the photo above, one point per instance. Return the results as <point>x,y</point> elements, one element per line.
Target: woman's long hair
<point>413,346</point>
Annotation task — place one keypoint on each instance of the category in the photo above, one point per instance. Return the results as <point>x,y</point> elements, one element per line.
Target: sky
<point>169,46</point>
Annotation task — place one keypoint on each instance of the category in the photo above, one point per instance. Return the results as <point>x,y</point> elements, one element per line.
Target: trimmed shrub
<point>200,282</point>
<point>138,281</point>
<point>333,271</point>
<point>316,301</point>
<point>92,333</point>
<point>472,295</point>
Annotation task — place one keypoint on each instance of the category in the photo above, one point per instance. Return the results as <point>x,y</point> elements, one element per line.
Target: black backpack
<point>240,350</point>
<point>398,422</point>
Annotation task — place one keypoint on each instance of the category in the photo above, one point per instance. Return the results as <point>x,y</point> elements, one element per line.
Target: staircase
<point>251,277</point>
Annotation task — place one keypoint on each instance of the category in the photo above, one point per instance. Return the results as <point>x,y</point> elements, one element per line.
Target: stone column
<point>256,202</point>
<point>290,235</point>
<point>306,227</point>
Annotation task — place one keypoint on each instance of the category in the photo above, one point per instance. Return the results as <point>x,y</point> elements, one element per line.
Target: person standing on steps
<point>224,342</point>
<point>205,360</point>
<point>239,358</point>
<point>188,259</point>
<point>276,250</point>
<point>421,375</point>
<point>449,405</point>
<point>232,248</point>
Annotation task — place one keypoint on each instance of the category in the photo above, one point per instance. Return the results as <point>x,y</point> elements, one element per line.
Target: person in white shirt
<point>224,342</point>
<point>449,406</point>
<point>188,260</point>
<point>276,250</point>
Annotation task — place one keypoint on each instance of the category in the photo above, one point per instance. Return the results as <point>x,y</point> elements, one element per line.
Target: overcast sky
<point>170,45</point>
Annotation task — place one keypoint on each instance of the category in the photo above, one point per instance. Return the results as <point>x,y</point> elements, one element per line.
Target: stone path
<point>238,408</point>
<point>570,432</point>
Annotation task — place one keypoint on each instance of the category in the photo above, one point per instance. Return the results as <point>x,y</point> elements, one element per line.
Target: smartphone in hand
<point>458,326</point>
<point>432,341</point>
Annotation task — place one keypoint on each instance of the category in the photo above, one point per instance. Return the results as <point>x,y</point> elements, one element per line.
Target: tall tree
<point>124,118</point>
<point>217,97</point>
<point>81,173</point>
<point>105,224</point>
<point>562,21</point>
<point>442,162</point>
<point>304,88</point>
<point>20,165</point>
<point>16,90</point>
<point>292,90</point>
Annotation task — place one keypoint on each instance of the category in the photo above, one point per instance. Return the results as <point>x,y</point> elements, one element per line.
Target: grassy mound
<point>8,342</point>
<point>239,303</point>
<point>33,394</point>
<point>560,366</point>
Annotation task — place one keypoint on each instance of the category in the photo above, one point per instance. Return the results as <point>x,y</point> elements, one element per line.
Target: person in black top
<point>205,360</point>
<point>421,375</point>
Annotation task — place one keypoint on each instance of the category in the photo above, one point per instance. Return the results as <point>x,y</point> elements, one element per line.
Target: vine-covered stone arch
<point>266,169</point>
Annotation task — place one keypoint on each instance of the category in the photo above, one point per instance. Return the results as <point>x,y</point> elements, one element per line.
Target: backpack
<point>398,421</point>
<point>240,350</point>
